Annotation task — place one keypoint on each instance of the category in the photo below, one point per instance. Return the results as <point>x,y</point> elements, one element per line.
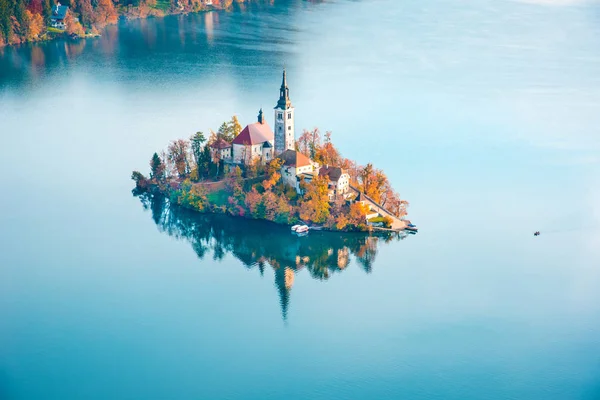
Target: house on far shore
<point>338,181</point>
<point>59,14</point>
<point>220,149</point>
<point>295,167</point>
<point>255,142</point>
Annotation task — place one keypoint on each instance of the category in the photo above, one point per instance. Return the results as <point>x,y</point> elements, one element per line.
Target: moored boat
<point>295,227</point>
<point>411,228</point>
<point>302,229</point>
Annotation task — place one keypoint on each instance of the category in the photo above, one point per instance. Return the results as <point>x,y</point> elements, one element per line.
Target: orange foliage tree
<point>36,24</point>
<point>73,26</point>
<point>105,13</point>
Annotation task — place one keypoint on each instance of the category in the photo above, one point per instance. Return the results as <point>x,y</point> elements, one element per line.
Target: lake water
<point>483,114</point>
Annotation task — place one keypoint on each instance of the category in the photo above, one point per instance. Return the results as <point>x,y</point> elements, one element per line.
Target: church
<point>258,143</point>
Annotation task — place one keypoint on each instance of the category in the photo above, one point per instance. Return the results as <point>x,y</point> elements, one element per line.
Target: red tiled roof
<point>333,173</point>
<point>220,144</point>
<point>293,158</point>
<point>255,133</point>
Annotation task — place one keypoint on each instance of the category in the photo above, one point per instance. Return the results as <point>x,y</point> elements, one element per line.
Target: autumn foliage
<point>28,20</point>
<point>193,178</point>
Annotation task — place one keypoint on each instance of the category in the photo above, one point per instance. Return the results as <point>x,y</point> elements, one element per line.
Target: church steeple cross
<point>284,94</point>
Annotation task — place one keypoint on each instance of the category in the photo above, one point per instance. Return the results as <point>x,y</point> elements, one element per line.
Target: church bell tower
<point>285,138</point>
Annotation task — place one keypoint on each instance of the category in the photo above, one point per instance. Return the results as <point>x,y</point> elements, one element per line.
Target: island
<point>266,174</point>
<point>24,21</point>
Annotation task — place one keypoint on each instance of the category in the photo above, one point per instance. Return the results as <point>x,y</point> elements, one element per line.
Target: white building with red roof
<point>220,149</point>
<point>255,142</point>
<point>338,181</point>
<point>295,167</point>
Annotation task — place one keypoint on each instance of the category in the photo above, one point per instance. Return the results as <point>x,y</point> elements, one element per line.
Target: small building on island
<point>220,149</point>
<point>295,167</point>
<point>58,17</point>
<point>255,142</point>
<point>338,181</point>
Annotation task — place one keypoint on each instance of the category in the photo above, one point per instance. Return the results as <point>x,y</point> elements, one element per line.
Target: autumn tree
<point>141,182</point>
<point>270,204</point>
<point>315,202</point>
<point>303,143</point>
<point>357,215</point>
<point>233,177</point>
<point>327,154</point>
<point>35,7</point>
<point>85,11</point>
<point>230,129</point>
<point>105,13</point>
<point>253,202</point>
<point>177,156</point>
<point>36,24</point>
<point>235,126</point>
<point>273,174</point>
<point>73,26</point>
<point>284,210</point>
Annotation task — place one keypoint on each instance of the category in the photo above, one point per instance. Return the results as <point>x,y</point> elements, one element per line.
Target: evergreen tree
<point>23,23</point>
<point>223,132</point>
<point>205,164</point>
<point>157,167</point>
<point>197,140</point>
<point>5,24</point>
<point>47,7</point>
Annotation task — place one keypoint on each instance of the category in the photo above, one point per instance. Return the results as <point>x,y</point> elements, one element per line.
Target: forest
<point>190,175</point>
<point>29,20</point>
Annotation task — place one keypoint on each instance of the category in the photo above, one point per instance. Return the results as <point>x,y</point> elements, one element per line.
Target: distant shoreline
<point>76,31</point>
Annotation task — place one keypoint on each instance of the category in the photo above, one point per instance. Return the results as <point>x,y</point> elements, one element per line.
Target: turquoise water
<point>483,115</point>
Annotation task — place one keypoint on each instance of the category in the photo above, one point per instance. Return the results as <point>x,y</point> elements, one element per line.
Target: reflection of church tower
<point>285,138</point>
<point>284,280</point>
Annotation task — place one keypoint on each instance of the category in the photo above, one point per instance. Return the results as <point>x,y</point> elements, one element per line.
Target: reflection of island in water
<point>258,244</point>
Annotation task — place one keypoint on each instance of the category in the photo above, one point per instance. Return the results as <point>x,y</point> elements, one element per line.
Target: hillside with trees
<point>189,175</point>
<point>29,20</point>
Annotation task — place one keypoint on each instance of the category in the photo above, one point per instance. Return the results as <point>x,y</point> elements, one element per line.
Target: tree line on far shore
<point>28,20</point>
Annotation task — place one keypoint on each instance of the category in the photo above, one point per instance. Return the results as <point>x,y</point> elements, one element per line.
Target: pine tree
<point>47,7</point>
<point>5,24</point>
<point>157,168</point>
<point>197,141</point>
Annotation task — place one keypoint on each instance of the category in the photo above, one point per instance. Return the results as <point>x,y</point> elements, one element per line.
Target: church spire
<point>285,138</point>
<point>284,94</point>
<point>261,119</point>
<point>284,81</point>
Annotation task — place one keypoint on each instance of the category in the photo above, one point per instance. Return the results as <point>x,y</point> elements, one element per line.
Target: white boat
<point>295,227</point>
<point>302,229</point>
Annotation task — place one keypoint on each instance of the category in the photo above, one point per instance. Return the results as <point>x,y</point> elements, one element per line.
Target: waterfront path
<point>397,223</point>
